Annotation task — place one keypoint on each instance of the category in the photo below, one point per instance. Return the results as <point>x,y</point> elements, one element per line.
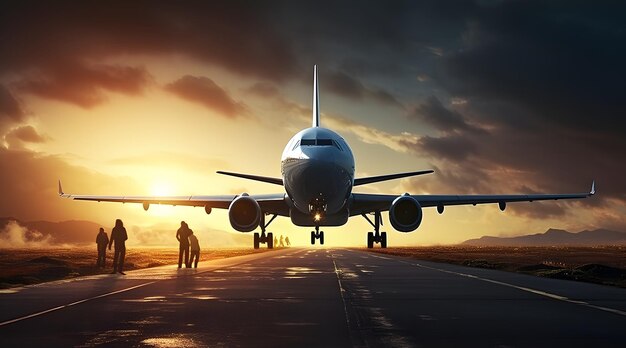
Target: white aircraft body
<point>317,169</point>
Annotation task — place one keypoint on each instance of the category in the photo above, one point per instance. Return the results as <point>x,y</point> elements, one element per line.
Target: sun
<point>161,188</point>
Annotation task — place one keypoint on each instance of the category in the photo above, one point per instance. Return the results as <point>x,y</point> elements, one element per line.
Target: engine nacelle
<point>405,213</point>
<point>244,213</point>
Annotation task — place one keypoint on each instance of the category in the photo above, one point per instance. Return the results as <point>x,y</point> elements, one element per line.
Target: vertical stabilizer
<point>316,99</point>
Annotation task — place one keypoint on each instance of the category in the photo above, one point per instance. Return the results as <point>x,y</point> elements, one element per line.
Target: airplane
<point>317,167</point>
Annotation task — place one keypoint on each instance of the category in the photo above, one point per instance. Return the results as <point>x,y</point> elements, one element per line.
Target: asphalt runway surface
<point>314,297</point>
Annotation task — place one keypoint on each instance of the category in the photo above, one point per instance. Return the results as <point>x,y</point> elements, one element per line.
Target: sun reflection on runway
<point>166,342</point>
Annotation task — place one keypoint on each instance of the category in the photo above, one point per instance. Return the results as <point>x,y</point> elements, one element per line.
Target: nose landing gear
<point>317,234</point>
<point>376,236</point>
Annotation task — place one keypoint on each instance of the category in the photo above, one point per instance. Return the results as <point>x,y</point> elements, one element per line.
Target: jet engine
<point>405,213</point>
<point>244,213</point>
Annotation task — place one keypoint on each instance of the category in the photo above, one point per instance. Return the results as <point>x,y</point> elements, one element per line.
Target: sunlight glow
<point>161,188</point>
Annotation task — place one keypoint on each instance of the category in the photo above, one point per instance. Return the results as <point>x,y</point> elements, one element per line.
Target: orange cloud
<point>84,84</point>
<point>206,92</point>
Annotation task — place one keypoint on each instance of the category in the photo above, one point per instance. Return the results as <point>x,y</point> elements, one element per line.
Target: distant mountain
<point>65,232</point>
<point>553,237</point>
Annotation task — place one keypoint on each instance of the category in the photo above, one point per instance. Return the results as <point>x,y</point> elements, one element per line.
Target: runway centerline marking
<point>73,304</point>
<point>533,291</point>
<point>341,291</point>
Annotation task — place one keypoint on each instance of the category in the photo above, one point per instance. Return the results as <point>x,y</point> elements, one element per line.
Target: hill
<point>555,237</point>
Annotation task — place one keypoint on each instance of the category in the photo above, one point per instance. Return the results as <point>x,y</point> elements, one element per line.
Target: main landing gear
<point>264,238</point>
<point>317,234</point>
<point>376,236</point>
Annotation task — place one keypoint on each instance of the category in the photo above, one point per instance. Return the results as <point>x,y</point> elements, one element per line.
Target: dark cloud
<point>264,90</point>
<point>270,92</point>
<point>204,91</point>
<point>453,147</point>
<point>561,64</point>
<point>26,134</point>
<point>434,113</point>
<point>84,84</point>
<point>10,107</point>
<point>349,87</point>
<point>235,35</point>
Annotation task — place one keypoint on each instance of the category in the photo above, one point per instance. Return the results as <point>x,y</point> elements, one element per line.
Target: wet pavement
<point>313,297</point>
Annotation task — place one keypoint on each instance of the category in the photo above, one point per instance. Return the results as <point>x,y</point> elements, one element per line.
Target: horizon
<point>22,237</point>
<point>465,89</point>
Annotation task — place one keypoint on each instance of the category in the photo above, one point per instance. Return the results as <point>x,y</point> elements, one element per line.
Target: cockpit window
<point>318,142</point>
<point>337,144</point>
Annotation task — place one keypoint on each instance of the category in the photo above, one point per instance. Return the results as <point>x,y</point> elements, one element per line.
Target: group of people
<point>283,242</point>
<point>188,242</point>
<point>118,240</point>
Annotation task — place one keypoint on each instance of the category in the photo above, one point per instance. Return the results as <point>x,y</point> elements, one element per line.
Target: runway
<point>314,297</point>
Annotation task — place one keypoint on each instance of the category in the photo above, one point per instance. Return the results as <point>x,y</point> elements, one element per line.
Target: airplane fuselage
<point>317,166</point>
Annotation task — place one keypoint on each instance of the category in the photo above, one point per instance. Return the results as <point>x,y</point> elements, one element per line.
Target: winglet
<point>593,188</point>
<point>316,99</point>
<point>60,189</point>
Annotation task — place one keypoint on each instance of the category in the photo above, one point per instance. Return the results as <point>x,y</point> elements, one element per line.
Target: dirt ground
<point>30,266</point>
<point>603,265</point>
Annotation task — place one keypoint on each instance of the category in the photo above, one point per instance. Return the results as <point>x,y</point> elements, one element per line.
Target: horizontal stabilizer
<point>371,179</point>
<point>275,181</point>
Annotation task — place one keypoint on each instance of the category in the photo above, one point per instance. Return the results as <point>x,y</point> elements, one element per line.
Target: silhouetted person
<point>195,250</point>
<point>102,240</point>
<point>183,237</point>
<point>282,244</point>
<point>276,241</point>
<point>119,237</point>
<point>287,241</point>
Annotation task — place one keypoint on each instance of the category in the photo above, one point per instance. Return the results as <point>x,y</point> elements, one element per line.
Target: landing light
<point>317,217</point>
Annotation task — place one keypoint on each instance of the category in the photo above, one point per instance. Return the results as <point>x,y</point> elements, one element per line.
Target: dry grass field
<point>30,266</point>
<point>603,265</point>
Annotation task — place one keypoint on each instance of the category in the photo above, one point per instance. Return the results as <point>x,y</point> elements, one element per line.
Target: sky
<point>153,97</point>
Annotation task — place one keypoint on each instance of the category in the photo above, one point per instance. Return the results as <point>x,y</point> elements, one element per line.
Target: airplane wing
<point>371,179</point>
<point>270,203</point>
<point>367,203</point>
<point>267,179</point>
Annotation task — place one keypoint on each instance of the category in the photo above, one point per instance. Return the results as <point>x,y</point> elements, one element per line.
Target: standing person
<point>282,243</point>
<point>119,236</point>
<point>276,241</point>
<point>287,241</point>
<point>195,250</point>
<point>183,238</point>
<point>102,240</point>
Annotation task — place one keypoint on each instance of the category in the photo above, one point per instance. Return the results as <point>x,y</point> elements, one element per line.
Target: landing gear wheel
<point>270,240</point>
<point>256,240</point>
<point>317,234</point>
<point>263,238</point>
<point>376,236</point>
